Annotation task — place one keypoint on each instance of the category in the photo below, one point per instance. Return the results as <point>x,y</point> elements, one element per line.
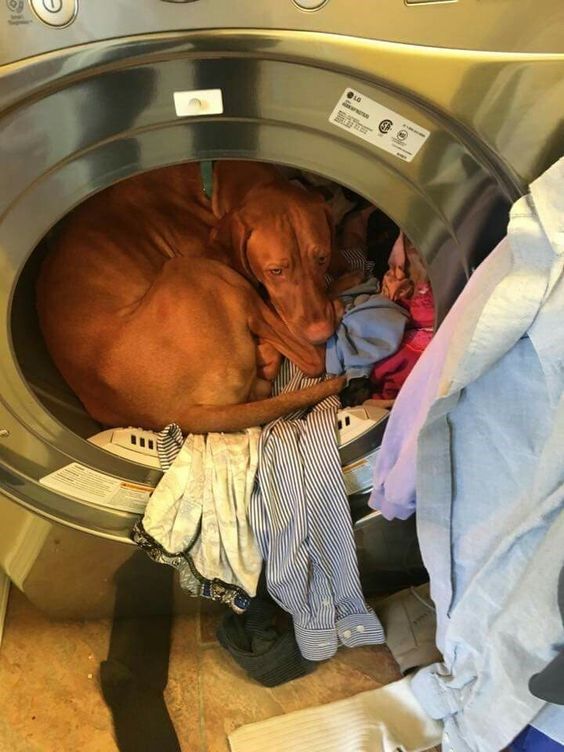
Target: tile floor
<point>50,697</point>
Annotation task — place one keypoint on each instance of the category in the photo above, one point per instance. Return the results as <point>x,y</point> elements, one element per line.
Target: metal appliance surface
<point>87,98</point>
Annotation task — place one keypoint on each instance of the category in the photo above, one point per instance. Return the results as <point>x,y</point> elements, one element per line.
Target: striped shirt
<point>301,518</point>
<point>169,444</point>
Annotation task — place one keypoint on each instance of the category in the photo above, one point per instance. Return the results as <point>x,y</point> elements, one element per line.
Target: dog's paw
<point>356,392</point>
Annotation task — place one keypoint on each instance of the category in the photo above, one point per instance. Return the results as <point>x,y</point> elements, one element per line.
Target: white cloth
<point>387,719</point>
<point>200,506</point>
<point>226,548</point>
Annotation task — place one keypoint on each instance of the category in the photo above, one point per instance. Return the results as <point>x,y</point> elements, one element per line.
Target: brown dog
<point>159,305</point>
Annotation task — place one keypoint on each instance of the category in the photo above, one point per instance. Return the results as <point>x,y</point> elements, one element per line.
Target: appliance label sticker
<point>386,129</point>
<point>83,483</point>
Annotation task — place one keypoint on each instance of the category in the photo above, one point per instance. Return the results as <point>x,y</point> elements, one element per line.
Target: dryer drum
<point>358,442</point>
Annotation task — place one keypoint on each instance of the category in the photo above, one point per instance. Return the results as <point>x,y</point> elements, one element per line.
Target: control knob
<point>56,13</point>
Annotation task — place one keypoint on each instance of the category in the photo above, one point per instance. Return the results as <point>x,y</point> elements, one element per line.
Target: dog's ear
<point>337,266</point>
<point>230,237</point>
<point>330,222</point>
<point>234,180</point>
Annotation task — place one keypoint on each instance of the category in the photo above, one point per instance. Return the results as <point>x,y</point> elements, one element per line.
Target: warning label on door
<point>386,129</point>
<point>86,484</point>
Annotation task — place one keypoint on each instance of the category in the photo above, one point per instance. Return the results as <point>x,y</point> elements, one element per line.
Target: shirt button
<point>360,628</point>
<point>326,602</point>
<point>347,633</point>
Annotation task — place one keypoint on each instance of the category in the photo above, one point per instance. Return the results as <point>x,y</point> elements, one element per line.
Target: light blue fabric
<point>478,431</point>
<point>371,329</point>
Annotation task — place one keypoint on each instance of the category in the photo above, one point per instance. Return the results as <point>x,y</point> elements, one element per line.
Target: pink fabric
<point>422,307</point>
<point>389,375</point>
<point>397,285</point>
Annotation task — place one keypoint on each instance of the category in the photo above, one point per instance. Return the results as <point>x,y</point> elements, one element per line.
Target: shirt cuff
<point>436,699</point>
<point>316,644</point>
<point>389,509</point>
<point>360,629</point>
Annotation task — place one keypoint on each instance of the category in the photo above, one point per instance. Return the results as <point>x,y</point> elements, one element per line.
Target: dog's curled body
<point>151,306</point>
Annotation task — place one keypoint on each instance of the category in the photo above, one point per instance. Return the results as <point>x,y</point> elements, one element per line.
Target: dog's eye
<point>321,260</point>
<point>275,272</point>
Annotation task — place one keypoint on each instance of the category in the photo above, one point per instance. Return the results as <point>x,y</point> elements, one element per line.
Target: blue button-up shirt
<point>476,442</point>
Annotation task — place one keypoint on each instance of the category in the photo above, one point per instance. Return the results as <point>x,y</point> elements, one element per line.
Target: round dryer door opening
<point>83,119</point>
<point>370,255</point>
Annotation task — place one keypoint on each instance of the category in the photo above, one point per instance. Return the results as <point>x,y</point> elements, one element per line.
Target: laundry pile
<point>371,330</point>
<point>474,443</point>
<point>231,506</point>
<point>400,276</point>
<point>228,502</point>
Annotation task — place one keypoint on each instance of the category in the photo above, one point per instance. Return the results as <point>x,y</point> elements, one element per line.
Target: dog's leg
<point>206,418</point>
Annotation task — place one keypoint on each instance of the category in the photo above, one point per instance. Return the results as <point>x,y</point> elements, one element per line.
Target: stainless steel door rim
<point>78,120</point>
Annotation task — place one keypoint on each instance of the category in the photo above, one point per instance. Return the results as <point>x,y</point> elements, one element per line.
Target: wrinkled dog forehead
<point>284,195</point>
<point>285,216</point>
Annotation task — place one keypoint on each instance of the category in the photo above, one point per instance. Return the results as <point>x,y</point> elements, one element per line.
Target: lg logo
<point>353,96</point>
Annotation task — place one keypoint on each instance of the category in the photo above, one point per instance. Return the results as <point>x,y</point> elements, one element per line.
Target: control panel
<point>33,27</point>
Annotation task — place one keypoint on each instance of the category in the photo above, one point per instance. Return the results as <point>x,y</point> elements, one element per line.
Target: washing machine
<point>438,111</point>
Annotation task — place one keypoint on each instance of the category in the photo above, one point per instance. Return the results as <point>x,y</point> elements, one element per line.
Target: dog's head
<point>281,238</point>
